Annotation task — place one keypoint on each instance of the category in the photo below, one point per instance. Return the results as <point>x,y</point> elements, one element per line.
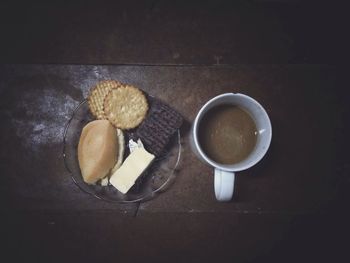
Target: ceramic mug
<point>225,173</point>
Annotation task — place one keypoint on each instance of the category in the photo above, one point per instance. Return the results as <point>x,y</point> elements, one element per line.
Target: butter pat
<point>138,161</point>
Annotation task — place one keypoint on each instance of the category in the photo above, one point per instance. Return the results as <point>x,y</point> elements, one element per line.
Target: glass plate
<point>156,179</point>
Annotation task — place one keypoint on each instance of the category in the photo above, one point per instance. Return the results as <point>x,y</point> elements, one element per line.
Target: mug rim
<point>231,167</point>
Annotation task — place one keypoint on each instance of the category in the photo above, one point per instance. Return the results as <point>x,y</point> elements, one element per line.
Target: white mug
<point>225,173</point>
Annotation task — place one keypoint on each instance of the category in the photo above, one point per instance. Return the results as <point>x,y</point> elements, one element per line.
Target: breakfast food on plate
<point>101,146</point>
<point>97,96</point>
<point>97,148</point>
<point>134,165</point>
<point>125,107</point>
<point>161,123</point>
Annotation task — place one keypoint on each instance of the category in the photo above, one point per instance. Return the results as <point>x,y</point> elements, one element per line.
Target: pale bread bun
<point>120,156</point>
<point>97,149</point>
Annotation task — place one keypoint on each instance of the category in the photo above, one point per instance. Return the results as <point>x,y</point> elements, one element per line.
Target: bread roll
<point>97,150</point>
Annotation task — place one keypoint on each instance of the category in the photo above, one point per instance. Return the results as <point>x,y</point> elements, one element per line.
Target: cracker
<point>97,96</point>
<point>125,107</point>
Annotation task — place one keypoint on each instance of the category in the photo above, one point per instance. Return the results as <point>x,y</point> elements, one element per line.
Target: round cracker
<point>125,107</point>
<point>97,96</point>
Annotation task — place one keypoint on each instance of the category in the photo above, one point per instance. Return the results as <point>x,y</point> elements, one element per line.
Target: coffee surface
<point>227,134</point>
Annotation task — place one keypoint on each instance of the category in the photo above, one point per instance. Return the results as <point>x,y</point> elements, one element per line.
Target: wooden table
<point>289,205</point>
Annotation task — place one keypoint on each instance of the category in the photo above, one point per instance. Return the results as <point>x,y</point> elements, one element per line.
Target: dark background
<point>173,32</point>
<point>268,40</point>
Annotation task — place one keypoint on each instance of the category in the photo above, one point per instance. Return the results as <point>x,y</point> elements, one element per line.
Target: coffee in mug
<point>227,134</point>
<point>231,132</point>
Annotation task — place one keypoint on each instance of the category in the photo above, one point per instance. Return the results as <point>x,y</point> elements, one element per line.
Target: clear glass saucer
<point>156,179</point>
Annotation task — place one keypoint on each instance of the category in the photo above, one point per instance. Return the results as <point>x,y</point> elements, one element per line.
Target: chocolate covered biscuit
<point>156,130</point>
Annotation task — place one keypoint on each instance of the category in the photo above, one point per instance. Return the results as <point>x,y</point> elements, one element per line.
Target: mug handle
<point>223,185</point>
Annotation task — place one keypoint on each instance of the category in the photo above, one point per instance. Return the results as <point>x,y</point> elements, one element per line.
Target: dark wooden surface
<point>173,32</point>
<point>300,176</point>
<point>291,207</point>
